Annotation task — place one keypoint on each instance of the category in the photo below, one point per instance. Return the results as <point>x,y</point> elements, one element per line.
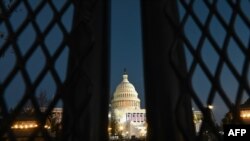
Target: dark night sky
<point>126,44</point>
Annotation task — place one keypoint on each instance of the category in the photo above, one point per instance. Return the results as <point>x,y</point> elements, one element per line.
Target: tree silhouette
<point>42,99</point>
<point>28,108</point>
<point>114,126</point>
<point>42,102</point>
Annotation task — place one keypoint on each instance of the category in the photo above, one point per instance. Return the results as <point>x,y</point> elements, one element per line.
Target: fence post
<point>168,104</point>
<point>86,100</point>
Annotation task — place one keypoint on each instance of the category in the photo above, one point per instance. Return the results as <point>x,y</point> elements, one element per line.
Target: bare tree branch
<point>42,99</point>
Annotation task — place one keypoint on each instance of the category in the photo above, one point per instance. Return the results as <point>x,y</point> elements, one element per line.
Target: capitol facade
<point>127,119</point>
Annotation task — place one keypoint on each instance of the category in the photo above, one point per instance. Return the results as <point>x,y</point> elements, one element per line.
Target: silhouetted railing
<point>215,36</point>
<point>67,51</point>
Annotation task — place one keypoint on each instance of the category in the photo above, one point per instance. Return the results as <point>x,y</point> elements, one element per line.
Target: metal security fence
<point>65,46</point>
<point>30,61</point>
<point>54,54</point>
<point>215,37</point>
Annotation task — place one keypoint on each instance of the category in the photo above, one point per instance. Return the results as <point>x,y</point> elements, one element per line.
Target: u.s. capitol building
<point>127,117</point>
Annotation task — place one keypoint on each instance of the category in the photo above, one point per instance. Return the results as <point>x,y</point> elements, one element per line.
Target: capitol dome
<point>125,95</point>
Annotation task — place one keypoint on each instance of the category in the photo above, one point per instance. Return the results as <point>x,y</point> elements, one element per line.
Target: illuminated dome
<point>125,95</point>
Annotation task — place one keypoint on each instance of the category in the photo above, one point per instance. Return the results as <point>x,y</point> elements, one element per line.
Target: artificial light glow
<point>16,126</point>
<point>245,114</point>
<point>121,128</point>
<point>210,107</point>
<point>23,125</point>
<point>46,126</point>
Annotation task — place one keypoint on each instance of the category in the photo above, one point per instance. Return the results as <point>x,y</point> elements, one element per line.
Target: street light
<point>121,131</point>
<point>121,128</point>
<point>211,107</point>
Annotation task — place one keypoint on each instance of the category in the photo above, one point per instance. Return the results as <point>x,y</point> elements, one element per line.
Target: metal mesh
<point>215,36</point>
<point>33,60</point>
